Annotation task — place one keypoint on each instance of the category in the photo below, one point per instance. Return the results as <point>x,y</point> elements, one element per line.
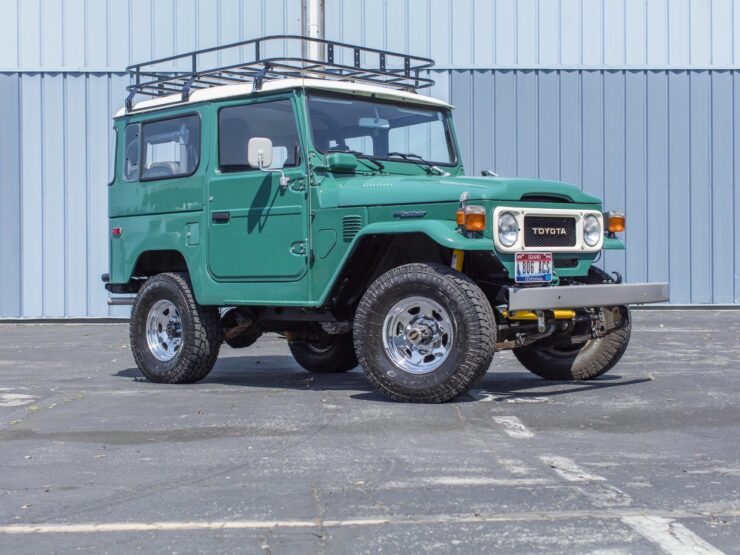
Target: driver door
<point>257,230</point>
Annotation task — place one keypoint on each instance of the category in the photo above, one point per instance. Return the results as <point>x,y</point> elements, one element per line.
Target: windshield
<point>380,129</point>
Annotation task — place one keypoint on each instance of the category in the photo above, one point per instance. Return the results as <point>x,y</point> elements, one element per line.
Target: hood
<point>400,189</point>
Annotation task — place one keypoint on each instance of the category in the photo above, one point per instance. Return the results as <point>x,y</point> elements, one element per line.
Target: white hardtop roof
<point>228,91</point>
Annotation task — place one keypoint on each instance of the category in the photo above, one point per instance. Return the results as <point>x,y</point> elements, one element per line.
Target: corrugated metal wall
<point>633,100</point>
<point>546,33</point>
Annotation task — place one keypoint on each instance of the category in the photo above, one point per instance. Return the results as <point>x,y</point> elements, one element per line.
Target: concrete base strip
<point>628,517</point>
<point>670,535</point>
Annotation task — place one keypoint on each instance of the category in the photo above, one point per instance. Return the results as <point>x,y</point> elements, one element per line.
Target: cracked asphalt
<point>263,457</point>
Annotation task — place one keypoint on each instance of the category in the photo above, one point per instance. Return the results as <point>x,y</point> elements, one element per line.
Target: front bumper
<point>582,296</point>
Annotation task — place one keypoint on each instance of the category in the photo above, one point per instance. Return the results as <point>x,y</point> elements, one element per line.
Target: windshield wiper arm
<point>408,156</point>
<point>361,155</point>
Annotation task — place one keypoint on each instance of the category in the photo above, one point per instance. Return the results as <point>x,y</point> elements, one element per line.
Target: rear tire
<point>330,355</point>
<point>173,338</point>
<point>580,362</point>
<point>424,333</point>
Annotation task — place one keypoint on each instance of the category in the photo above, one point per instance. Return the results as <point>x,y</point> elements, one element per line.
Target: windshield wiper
<point>360,155</point>
<point>408,156</point>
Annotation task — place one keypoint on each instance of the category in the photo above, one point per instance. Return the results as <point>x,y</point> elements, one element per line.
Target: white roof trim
<point>228,91</point>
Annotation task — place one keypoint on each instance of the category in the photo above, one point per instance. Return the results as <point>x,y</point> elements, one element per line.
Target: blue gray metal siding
<point>546,33</point>
<point>660,144</point>
<point>635,101</point>
<point>106,35</point>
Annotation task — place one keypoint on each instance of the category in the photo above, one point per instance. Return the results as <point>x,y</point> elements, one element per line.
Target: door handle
<point>220,217</point>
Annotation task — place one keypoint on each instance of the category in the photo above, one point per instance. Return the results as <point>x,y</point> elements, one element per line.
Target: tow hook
<point>541,323</point>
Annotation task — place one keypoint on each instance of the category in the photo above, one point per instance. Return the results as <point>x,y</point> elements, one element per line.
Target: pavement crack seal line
<point>661,522</point>
<point>660,529</point>
<point>671,536</point>
<point>569,470</point>
<point>513,427</point>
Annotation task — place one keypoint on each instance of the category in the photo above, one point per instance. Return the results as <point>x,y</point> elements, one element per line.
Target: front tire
<point>424,333</point>
<point>330,354</point>
<point>173,338</point>
<point>584,361</point>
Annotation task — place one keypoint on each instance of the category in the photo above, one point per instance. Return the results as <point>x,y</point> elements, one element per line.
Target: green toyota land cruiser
<point>325,200</point>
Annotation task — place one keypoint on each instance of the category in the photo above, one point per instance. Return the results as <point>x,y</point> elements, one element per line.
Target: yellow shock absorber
<point>561,314</point>
<point>458,257</point>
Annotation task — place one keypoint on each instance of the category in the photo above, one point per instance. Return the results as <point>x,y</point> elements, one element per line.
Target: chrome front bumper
<point>582,296</point>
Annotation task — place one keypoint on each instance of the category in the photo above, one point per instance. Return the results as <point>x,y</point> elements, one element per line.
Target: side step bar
<point>120,301</point>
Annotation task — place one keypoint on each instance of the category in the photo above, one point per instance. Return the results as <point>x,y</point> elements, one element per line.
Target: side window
<point>112,146</point>
<point>171,147</point>
<point>131,152</point>
<point>273,120</point>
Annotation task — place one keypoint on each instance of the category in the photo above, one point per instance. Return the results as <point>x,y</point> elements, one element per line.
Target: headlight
<point>508,229</point>
<point>591,230</point>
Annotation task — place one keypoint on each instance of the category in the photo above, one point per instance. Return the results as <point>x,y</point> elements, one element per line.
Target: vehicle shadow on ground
<point>281,372</point>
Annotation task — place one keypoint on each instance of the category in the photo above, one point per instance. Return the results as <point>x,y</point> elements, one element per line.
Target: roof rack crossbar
<point>185,72</point>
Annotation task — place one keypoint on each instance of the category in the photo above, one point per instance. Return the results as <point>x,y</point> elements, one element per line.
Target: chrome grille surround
<point>551,242</point>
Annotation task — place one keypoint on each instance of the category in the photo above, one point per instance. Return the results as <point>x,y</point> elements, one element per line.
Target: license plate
<point>533,267</point>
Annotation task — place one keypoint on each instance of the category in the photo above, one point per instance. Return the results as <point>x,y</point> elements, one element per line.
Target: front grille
<point>549,231</point>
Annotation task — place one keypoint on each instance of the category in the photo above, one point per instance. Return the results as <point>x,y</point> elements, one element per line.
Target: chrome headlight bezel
<point>508,229</point>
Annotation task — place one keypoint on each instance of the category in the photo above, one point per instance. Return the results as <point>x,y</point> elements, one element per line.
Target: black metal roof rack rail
<point>183,73</point>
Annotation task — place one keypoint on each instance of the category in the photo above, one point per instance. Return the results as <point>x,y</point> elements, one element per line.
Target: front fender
<point>443,232</point>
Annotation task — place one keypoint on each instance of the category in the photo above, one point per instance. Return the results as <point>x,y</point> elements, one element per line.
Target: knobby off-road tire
<point>417,309</point>
<point>330,355</point>
<point>580,362</point>
<point>173,338</point>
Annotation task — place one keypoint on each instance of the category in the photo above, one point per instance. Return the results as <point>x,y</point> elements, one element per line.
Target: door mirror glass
<point>259,152</point>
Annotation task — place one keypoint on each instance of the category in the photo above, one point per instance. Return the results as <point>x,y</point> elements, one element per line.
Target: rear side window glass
<point>131,153</point>
<point>273,120</point>
<point>112,143</point>
<point>171,147</point>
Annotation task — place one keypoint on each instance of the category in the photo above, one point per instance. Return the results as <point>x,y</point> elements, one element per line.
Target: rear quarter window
<point>170,148</point>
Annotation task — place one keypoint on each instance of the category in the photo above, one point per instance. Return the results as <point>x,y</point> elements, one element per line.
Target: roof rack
<point>342,62</point>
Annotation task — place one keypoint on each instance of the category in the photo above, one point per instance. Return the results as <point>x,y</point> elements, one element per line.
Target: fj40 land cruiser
<point>326,200</point>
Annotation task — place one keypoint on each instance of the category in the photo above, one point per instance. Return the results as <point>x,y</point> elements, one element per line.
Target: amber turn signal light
<point>471,218</point>
<point>614,221</point>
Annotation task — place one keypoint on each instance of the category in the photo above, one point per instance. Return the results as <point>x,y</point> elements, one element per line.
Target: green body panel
<point>163,232</point>
<point>612,243</point>
<point>383,189</point>
<point>288,247</point>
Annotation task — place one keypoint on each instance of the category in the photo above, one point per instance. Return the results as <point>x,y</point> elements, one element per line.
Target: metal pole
<point>313,26</point>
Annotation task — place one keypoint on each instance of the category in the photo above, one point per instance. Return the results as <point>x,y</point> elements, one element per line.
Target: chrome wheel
<point>164,330</point>
<point>418,334</point>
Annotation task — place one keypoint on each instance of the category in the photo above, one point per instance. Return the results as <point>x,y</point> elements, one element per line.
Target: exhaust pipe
<point>313,25</point>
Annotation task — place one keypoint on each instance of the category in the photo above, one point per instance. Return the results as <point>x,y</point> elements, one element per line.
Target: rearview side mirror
<point>259,155</point>
<point>259,152</point>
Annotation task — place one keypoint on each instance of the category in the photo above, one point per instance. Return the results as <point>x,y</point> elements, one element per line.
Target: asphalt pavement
<point>263,457</point>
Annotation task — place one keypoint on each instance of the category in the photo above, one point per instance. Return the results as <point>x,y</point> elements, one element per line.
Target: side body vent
<point>351,226</point>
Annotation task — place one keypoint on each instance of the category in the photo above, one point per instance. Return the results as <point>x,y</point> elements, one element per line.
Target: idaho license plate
<point>533,267</point>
